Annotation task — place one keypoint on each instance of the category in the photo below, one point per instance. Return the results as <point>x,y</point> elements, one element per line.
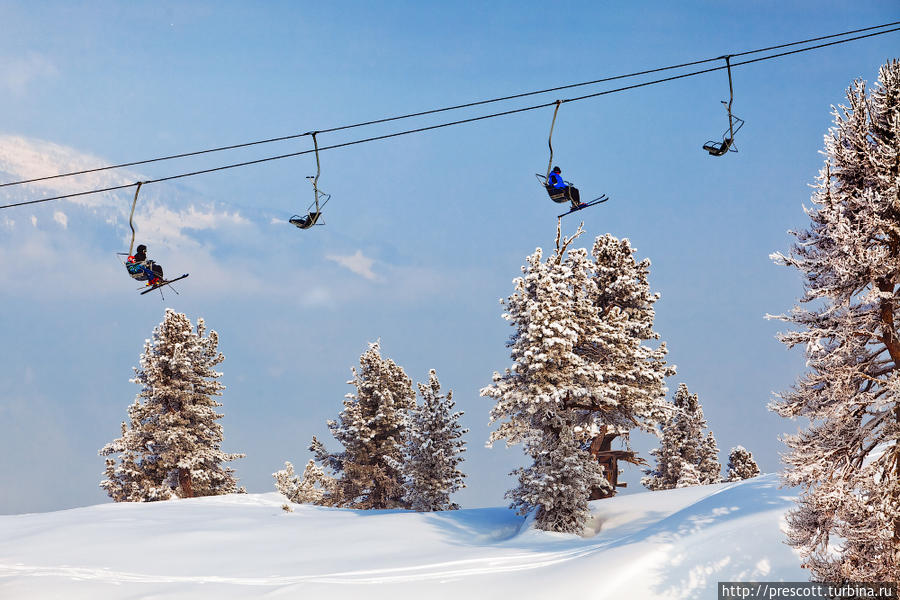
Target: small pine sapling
<point>741,464</point>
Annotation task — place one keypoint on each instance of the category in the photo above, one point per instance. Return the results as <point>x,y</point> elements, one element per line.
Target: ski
<point>593,202</point>
<point>164,282</point>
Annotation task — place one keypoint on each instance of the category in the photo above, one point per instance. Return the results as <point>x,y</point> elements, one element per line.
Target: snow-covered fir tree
<point>741,465</point>
<point>689,476</point>
<point>171,444</point>
<point>709,469</point>
<point>683,444</point>
<point>434,448</point>
<point>579,363</point>
<point>847,459</point>
<point>371,429</point>
<point>310,488</point>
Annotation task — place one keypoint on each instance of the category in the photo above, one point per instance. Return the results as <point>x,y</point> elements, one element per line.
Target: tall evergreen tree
<point>579,363</point>
<point>847,460</point>
<point>171,444</point>
<point>371,429</point>
<point>434,448</point>
<point>683,444</point>
<point>741,465</point>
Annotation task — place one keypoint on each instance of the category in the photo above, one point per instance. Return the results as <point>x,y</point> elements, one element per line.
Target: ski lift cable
<point>445,109</point>
<point>451,123</point>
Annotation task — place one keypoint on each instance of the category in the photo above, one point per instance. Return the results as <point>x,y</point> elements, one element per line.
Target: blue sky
<point>423,234</point>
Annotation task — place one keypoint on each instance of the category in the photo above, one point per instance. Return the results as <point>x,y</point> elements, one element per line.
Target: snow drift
<point>665,544</point>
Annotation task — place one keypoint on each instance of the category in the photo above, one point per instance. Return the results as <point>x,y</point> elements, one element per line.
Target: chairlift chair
<point>558,195</point>
<point>320,198</point>
<point>734,122</point>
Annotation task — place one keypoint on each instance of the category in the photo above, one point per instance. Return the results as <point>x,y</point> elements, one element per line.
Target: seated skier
<point>142,269</point>
<point>556,181</point>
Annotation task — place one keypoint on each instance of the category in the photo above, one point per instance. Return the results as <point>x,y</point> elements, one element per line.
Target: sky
<point>423,233</point>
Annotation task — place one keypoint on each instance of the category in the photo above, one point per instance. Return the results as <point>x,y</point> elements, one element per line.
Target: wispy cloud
<point>26,158</point>
<point>357,263</point>
<point>160,222</point>
<point>61,218</point>
<point>20,72</point>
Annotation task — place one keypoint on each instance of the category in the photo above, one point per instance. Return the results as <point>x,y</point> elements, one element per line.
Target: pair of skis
<point>163,283</point>
<point>584,205</point>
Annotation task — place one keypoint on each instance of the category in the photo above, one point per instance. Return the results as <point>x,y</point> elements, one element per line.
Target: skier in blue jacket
<point>140,268</point>
<point>556,181</point>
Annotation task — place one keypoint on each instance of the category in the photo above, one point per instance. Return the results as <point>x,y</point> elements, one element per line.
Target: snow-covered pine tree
<point>371,429</point>
<point>633,393</point>
<point>682,442</point>
<point>578,363</point>
<point>741,465</point>
<point>847,460</point>
<point>310,488</point>
<point>710,469</point>
<point>434,446</point>
<point>171,444</point>
<point>689,476</point>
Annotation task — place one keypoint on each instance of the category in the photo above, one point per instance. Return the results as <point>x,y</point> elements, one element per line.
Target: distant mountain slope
<point>669,544</point>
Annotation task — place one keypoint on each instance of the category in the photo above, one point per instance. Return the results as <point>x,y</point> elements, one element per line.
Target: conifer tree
<point>741,464</point>
<point>579,363</point>
<point>311,488</point>
<point>371,429</point>
<point>689,476</point>
<point>682,443</point>
<point>847,460</point>
<point>434,446</point>
<point>171,444</point>
<point>709,469</point>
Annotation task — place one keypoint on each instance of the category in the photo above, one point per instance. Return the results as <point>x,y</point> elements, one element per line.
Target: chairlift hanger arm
<point>730,97</point>
<point>131,216</point>
<point>318,164</point>
<point>550,138</point>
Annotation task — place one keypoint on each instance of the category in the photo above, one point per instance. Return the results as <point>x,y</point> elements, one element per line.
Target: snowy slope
<point>669,544</point>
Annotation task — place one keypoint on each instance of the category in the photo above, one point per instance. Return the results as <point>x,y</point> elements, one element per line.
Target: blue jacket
<point>555,180</point>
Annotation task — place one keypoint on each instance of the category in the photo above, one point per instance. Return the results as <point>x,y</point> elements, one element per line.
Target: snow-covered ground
<point>669,544</point>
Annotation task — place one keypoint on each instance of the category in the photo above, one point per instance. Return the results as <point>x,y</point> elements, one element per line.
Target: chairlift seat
<point>718,148</point>
<point>558,195</point>
<point>305,222</point>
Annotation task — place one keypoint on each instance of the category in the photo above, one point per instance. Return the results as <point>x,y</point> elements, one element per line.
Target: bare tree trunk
<point>184,480</point>
<point>896,540</point>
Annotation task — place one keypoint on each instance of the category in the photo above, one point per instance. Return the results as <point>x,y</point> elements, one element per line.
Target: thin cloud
<point>27,158</point>
<point>20,72</point>
<point>60,217</point>
<point>357,263</point>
